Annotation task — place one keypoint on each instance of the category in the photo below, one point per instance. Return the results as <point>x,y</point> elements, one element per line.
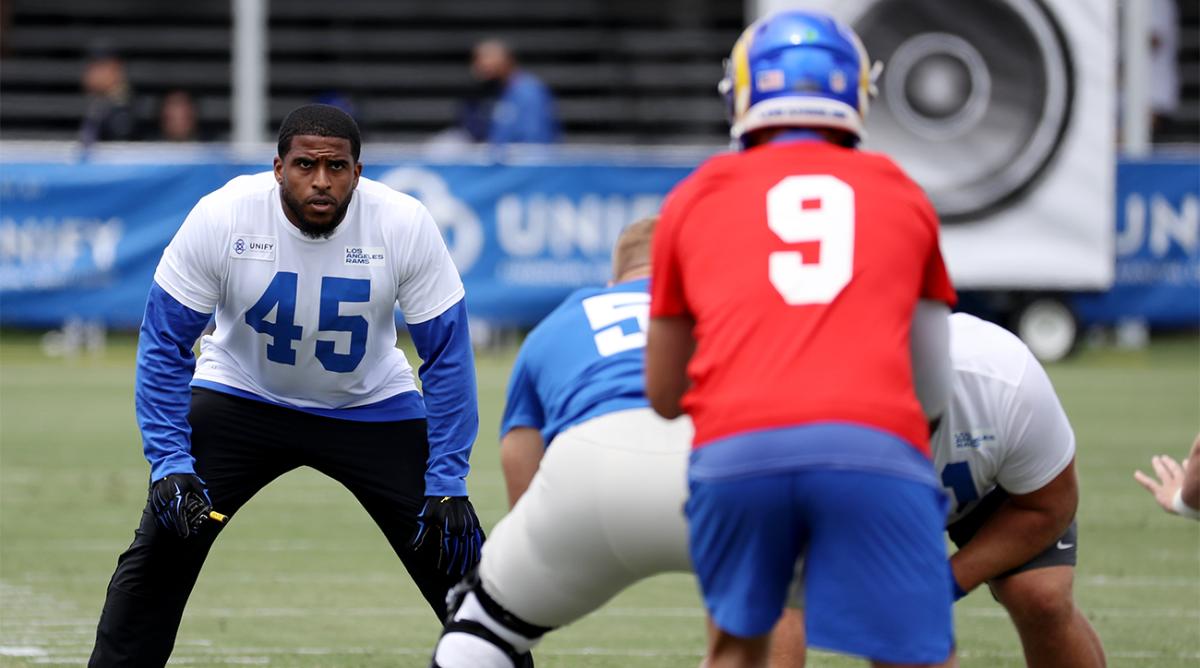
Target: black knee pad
<point>472,584</point>
<point>458,593</point>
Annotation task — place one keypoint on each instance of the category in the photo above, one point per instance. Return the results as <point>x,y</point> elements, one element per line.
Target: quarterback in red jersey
<point>802,262</point>
<point>798,314</point>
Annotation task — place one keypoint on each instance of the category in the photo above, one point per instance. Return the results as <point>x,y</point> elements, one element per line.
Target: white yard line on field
<point>374,577</point>
<point>6,650</point>
<point>40,628</point>
<point>45,629</point>
<point>115,547</point>
<point>32,623</point>
<point>681,613</point>
<point>264,655</point>
<point>1139,581</point>
<point>1135,655</point>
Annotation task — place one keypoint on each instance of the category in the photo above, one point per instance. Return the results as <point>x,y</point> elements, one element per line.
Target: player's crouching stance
<point>603,510</point>
<point>303,269</point>
<point>1006,453</point>
<point>786,279</point>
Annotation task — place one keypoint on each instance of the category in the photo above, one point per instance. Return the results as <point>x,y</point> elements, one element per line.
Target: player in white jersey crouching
<point>605,507</point>
<point>1005,452</point>
<point>303,269</point>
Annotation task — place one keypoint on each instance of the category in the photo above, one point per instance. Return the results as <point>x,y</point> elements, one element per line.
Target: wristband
<point>1182,509</point>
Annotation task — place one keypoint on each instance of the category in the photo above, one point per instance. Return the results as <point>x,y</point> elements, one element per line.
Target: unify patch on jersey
<point>974,438</point>
<point>253,247</point>
<point>371,256</point>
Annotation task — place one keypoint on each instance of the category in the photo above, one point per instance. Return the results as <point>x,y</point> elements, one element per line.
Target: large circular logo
<point>456,219</point>
<point>975,97</point>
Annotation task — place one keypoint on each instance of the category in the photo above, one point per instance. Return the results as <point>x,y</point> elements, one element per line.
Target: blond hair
<point>633,247</point>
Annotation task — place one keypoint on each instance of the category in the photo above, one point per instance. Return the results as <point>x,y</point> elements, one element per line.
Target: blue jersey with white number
<point>585,359</point>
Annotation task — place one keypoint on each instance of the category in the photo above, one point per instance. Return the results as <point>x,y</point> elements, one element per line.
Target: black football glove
<point>451,521</point>
<point>180,502</point>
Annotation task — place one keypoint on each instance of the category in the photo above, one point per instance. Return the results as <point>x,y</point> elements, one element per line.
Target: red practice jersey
<point>801,263</point>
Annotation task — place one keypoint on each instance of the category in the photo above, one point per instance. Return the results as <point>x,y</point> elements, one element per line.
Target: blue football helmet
<point>798,69</point>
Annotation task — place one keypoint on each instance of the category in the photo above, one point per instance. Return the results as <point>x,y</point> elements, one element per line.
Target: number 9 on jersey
<point>805,209</point>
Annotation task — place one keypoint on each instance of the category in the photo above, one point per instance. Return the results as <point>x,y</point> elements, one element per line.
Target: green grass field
<point>303,578</point>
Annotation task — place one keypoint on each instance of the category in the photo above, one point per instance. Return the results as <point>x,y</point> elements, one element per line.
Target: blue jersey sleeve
<point>452,409</point>
<point>161,395</point>
<point>523,407</point>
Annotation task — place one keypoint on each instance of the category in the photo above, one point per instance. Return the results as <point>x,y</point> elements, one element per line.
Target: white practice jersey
<point>1005,425</point>
<point>308,322</point>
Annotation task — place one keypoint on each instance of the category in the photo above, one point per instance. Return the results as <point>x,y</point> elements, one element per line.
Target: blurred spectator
<point>177,118</point>
<point>1164,65</point>
<point>108,115</point>
<point>509,105</point>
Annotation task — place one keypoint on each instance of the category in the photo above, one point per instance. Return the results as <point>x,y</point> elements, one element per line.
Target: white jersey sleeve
<point>429,283</point>
<point>1040,440</point>
<point>191,267</point>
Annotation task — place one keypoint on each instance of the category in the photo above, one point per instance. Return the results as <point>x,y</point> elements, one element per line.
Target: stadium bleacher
<point>623,70</point>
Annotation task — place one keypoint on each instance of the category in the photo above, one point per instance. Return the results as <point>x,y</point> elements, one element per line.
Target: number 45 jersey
<point>310,323</point>
<point>801,263</point>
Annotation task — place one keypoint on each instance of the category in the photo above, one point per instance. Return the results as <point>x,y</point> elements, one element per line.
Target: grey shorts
<point>1061,553</point>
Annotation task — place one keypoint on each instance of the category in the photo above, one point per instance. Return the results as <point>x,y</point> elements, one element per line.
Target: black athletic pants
<point>240,445</point>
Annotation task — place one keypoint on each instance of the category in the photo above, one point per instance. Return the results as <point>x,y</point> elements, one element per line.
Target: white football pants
<point>604,510</point>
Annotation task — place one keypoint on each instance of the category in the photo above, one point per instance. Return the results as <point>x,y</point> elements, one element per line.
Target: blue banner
<point>524,237</point>
<point>1157,247</point>
<point>81,240</point>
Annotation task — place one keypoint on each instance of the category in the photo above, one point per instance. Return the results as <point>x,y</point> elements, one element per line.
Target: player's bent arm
<point>669,347</point>
<point>1023,526</point>
<point>161,395</point>
<point>451,404</point>
<point>521,450</point>
<point>929,343</point>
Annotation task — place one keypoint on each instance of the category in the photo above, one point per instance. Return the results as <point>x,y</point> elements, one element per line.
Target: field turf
<point>303,578</point>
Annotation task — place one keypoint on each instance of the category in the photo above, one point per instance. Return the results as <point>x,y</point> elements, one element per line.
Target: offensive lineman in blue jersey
<point>603,508</point>
<point>303,269</point>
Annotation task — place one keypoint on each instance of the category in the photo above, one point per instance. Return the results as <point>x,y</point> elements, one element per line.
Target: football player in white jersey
<point>303,269</point>
<point>1005,452</point>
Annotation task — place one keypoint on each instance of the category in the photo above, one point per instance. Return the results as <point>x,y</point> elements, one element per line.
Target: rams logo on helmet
<point>798,69</point>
